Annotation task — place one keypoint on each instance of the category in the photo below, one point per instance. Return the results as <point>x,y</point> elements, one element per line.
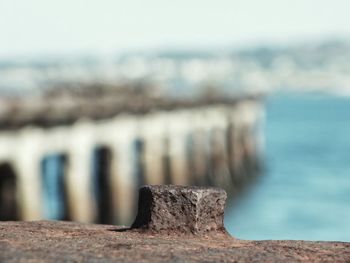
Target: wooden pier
<point>82,157</point>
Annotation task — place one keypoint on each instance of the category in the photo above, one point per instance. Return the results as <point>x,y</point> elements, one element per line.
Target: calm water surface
<point>305,191</point>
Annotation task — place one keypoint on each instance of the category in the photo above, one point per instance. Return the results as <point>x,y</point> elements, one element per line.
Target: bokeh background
<point>295,53</point>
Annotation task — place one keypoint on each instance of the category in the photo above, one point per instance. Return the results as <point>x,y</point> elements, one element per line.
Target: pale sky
<point>30,27</point>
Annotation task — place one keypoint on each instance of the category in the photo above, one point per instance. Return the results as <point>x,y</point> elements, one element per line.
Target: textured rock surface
<point>45,241</point>
<point>181,209</point>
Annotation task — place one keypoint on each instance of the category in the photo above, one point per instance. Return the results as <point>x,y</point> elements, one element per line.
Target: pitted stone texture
<point>55,241</point>
<point>181,209</point>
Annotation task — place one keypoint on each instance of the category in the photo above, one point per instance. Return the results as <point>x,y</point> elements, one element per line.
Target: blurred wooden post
<point>153,133</point>
<point>218,146</point>
<point>79,177</point>
<point>177,135</point>
<point>27,159</point>
<point>199,154</point>
<point>123,176</point>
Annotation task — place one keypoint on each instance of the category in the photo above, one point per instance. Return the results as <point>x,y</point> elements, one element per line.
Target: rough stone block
<point>181,209</point>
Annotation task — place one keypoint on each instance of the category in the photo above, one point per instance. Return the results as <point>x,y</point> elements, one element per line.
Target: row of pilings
<point>90,171</point>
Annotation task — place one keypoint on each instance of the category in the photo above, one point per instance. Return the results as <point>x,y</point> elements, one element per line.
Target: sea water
<point>304,192</point>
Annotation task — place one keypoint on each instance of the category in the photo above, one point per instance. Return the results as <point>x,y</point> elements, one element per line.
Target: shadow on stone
<point>121,229</point>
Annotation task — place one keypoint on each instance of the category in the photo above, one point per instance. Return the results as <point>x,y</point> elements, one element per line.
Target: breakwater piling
<point>84,161</point>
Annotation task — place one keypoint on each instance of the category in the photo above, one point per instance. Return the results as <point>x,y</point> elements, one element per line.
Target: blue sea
<point>304,191</point>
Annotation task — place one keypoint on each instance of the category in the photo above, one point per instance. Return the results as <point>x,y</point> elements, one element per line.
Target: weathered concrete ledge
<point>174,224</point>
<point>45,241</point>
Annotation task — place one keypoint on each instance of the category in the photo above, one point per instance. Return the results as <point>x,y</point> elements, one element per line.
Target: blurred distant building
<point>322,67</point>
